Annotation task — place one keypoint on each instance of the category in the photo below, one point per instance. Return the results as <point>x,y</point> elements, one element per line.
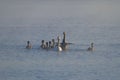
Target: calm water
<point>18,63</point>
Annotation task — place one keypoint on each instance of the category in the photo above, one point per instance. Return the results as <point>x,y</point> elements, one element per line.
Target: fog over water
<point>29,12</point>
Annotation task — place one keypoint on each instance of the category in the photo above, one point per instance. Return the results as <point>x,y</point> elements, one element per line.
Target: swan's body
<point>29,46</point>
<point>59,48</point>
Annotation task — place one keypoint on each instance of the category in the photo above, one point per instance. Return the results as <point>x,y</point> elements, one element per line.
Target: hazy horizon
<point>28,12</point>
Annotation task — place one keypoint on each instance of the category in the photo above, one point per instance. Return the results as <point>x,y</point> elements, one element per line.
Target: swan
<point>64,44</point>
<point>50,44</point>
<point>43,44</point>
<point>46,47</point>
<point>58,46</point>
<point>91,47</point>
<point>29,46</point>
<point>53,43</point>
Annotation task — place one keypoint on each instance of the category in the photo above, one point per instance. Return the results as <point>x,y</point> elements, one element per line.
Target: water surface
<point>18,63</point>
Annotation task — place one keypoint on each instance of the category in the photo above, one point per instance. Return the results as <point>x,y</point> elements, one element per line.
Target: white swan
<point>58,46</point>
<point>64,44</point>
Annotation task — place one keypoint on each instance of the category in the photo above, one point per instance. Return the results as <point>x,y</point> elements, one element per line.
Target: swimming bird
<point>58,44</point>
<point>53,43</point>
<point>50,44</point>
<point>64,44</point>
<point>46,47</point>
<point>43,44</point>
<point>91,47</point>
<point>29,46</point>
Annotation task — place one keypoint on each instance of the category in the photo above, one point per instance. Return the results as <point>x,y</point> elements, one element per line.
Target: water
<point>18,63</point>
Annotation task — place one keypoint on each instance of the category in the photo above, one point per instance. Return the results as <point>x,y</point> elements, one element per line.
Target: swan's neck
<point>64,37</point>
<point>91,45</point>
<point>59,46</point>
<point>58,41</point>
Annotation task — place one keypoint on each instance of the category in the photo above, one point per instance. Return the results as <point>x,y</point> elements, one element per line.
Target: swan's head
<point>64,33</point>
<point>49,42</point>
<point>28,42</point>
<point>58,37</point>
<point>42,41</point>
<point>53,40</point>
<point>92,44</point>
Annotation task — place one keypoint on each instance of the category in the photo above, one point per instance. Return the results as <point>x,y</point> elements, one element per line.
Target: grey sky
<point>17,12</point>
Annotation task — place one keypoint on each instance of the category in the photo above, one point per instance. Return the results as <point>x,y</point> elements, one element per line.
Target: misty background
<point>35,12</point>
